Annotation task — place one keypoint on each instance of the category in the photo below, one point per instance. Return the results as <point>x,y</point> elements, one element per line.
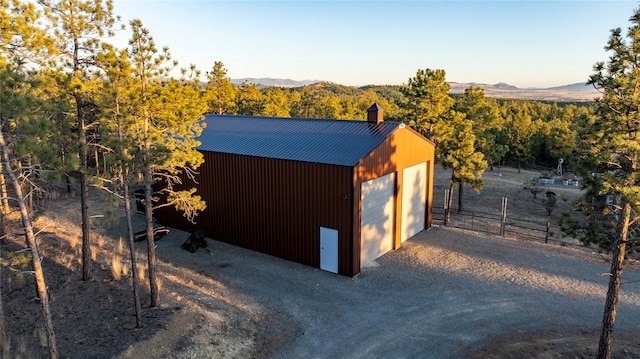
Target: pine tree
<point>614,148</point>
<point>79,26</point>
<point>38,271</point>
<point>277,103</point>
<point>426,101</point>
<point>561,136</point>
<point>428,110</point>
<point>21,40</point>
<point>118,128</point>
<point>166,134</point>
<point>249,100</point>
<point>520,129</point>
<point>220,93</point>
<point>488,124</point>
<point>302,104</point>
<point>456,150</point>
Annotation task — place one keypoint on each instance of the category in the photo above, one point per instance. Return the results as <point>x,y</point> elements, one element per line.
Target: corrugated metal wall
<point>273,206</point>
<point>404,148</point>
<point>278,206</point>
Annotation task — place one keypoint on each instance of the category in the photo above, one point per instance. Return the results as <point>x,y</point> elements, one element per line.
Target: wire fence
<point>500,222</point>
<point>493,223</point>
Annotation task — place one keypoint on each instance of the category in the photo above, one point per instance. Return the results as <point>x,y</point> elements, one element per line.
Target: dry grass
<point>142,269</point>
<point>116,267</point>
<point>120,246</point>
<point>73,242</point>
<point>100,241</point>
<point>66,260</point>
<point>105,251</point>
<point>125,270</point>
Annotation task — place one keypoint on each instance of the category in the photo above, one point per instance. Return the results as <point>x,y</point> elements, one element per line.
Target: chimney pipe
<point>374,114</point>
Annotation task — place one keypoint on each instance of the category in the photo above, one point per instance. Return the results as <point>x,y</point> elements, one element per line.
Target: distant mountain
<point>577,87</point>
<point>269,82</point>
<point>504,86</point>
<point>577,92</point>
<point>574,92</point>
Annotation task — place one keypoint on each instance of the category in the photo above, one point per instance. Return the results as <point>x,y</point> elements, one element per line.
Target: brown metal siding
<point>273,206</point>
<point>403,148</point>
<point>277,206</point>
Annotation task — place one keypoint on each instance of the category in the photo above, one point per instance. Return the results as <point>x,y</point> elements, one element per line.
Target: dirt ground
<point>202,314</point>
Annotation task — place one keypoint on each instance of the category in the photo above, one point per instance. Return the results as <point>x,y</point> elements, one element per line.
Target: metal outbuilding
<point>330,194</point>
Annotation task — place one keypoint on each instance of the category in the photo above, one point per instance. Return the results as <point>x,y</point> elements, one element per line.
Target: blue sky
<point>355,43</point>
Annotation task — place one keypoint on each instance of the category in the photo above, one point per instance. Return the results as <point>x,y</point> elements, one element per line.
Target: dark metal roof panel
<point>336,142</point>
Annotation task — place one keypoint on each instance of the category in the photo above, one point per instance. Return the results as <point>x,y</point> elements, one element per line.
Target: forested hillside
<point>577,92</point>
<point>515,132</point>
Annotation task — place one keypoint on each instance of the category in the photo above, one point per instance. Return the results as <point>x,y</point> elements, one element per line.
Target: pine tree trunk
<point>41,286</point>
<point>151,247</point>
<point>127,210</point>
<point>4,210</point>
<point>448,214</point>
<point>460,195</point>
<point>86,238</point>
<point>96,157</point>
<point>611,303</point>
<point>132,251</point>
<point>546,235</point>
<point>4,340</point>
<point>3,232</point>
<point>4,207</point>
<point>84,193</point>
<point>28,200</point>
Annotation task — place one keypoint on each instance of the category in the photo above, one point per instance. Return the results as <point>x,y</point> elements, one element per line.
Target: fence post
<point>446,206</point>
<point>503,220</point>
<point>546,234</point>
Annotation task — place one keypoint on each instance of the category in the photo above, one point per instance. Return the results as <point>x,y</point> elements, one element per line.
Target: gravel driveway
<point>444,293</point>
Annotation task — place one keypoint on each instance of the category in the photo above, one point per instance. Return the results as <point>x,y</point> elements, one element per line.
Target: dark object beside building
<point>158,232</point>
<point>196,240</point>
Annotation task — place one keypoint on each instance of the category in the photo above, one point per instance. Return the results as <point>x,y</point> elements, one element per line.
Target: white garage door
<point>377,218</point>
<point>414,199</point>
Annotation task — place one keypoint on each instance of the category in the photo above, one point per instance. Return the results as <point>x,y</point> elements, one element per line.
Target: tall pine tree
<point>426,101</point>
<point>614,149</point>
<point>166,135</point>
<point>118,129</point>
<point>79,27</point>
<point>220,93</point>
<point>488,124</point>
<point>456,150</point>
<point>23,43</point>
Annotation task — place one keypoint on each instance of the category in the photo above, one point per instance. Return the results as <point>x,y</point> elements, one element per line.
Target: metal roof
<point>335,142</point>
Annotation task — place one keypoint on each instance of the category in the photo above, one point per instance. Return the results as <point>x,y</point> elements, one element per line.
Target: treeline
<point>321,100</point>
<point>78,111</point>
<point>521,133</point>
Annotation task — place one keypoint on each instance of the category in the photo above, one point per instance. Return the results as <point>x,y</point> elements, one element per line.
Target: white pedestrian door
<point>329,249</point>
<point>376,230</point>
<point>414,200</point>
